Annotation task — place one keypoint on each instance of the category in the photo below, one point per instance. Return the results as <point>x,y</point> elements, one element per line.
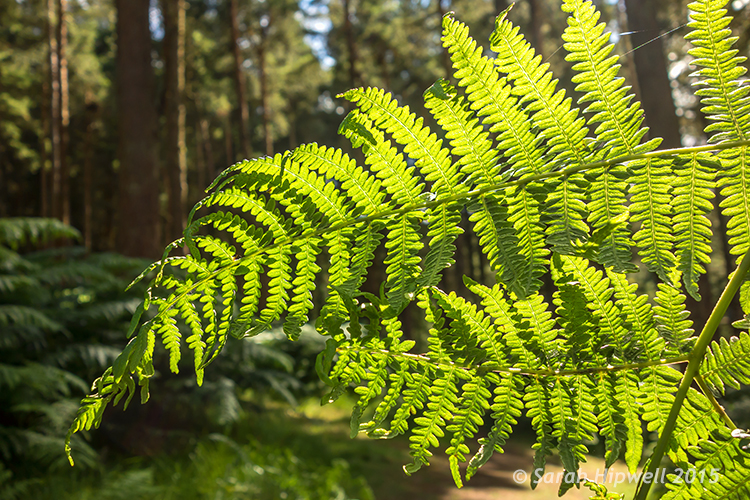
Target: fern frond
<point>653,206</point>
<point>558,122</point>
<point>26,317</point>
<point>693,185</point>
<point>419,142</point>
<point>727,363</point>
<point>18,231</point>
<point>628,391</point>
<point>610,420</point>
<point>697,420</point>
<point>429,427</point>
<point>506,408</point>
<point>722,471</point>
<point>639,319</point>
<point>619,122</point>
<point>537,399</point>
<point>467,418</point>
<point>724,96</point>
<point>672,319</point>
<point>491,99</point>
<point>384,160</point>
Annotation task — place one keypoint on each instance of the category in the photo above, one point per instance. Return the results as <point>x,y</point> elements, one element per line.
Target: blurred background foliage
<point>114,117</point>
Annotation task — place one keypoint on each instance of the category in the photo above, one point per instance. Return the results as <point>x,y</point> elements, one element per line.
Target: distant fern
<point>552,193</point>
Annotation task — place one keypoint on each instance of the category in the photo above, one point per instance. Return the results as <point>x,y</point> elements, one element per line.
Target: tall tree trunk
<point>54,103</point>
<point>264,91</point>
<point>44,171</point>
<point>4,194</point>
<point>138,204</point>
<point>446,57</point>
<point>659,108</point>
<point>209,151</point>
<point>175,150</point>
<point>537,22</point>
<point>291,113</point>
<point>239,81</point>
<point>228,139</point>
<point>88,154</point>
<point>354,76</point>
<point>200,162</point>
<point>62,73</point>
<point>651,68</point>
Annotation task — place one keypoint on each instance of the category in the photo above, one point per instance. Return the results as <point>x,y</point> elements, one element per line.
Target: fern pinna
<point>553,193</point>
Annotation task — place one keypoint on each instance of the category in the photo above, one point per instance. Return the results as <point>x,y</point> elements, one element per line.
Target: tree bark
<point>354,77</point>
<point>54,103</point>
<point>209,152</point>
<point>175,150</point>
<point>537,22</point>
<point>239,81</point>
<point>264,91</point>
<point>651,68</point>
<point>44,172</point>
<point>88,154</point>
<point>446,57</point>
<point>138,203</point>
<point>228,139</point>
<point>61,33</point>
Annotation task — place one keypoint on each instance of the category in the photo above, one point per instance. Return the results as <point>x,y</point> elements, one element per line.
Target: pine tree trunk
<point>138,203</point>
<point>239,81</point>
<point>228,139</point>
<point>537,22</point>
<point>44,171</point>
<point>445,56</point>
<point>88,154</point>
<point>54,102</point>
<point>62,47</point>
<point>351,45</point>
<point>209,151</point>
<point>264,91</point>
<point>175,150</point>
<point>200,162</point>
<point>651,68</point>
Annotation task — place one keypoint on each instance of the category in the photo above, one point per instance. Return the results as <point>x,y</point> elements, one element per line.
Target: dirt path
<point>495,480</point>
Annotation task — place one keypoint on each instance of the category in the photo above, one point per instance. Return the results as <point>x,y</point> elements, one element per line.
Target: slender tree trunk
<point>54,102</point>
<point>537,23</point>
<point>88,155</point>
<point>209,150</point>
<point>446,58</point>
<point>138,204</point>
<point>264,91</point>
<point>200,162</point>
<point>651,68</point>
<point>292,114</point>
<point>354,76</point>
<point>175,151</point>
<point>62,60</point>
<point>4,195</point>
<point>228,139</point>
<point>44,171</point>
<point>239,81</point>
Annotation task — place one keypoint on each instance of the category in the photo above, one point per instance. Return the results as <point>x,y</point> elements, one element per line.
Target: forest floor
<point>380,461</point>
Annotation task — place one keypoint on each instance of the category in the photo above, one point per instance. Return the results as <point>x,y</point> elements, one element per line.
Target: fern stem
<point>710,396</point>
<point>696,357</point>
<point>488,367</point>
